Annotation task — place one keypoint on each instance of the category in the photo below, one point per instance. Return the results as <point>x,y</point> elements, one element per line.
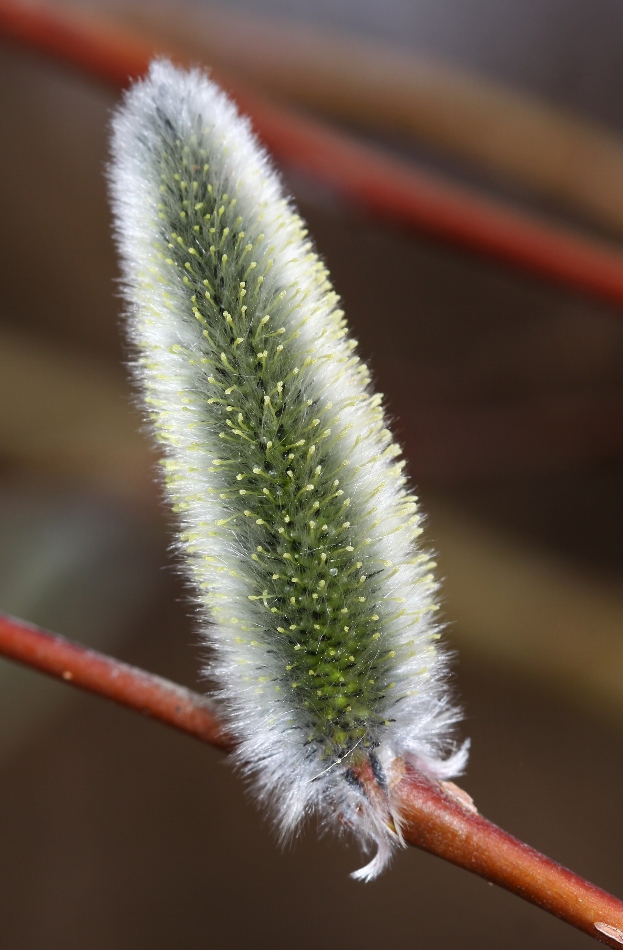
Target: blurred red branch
<point>390,189</point>
<point>438,817</point>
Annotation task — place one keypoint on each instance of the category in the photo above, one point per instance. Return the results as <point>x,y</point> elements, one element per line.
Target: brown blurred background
<point>506,391</point>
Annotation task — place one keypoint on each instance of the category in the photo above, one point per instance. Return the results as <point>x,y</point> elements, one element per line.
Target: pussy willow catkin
<point>295,520</point>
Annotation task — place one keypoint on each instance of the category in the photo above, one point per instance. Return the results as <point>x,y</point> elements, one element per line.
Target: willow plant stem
<point>390,189</point>
<point>438,822</point>
<point>437,819</point>
<point>124,684</point>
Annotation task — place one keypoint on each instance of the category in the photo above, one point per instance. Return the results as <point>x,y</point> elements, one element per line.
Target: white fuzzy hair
<point>276,573</point>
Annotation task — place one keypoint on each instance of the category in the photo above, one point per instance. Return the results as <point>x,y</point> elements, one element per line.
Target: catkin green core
<point>312,588</point>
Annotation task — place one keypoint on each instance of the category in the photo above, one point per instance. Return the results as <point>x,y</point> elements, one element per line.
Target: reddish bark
<point>105,676</point>
<point>437,817</point>
<point>439,822</point>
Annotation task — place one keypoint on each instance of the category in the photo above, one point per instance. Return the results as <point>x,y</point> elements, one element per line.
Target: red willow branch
<point>390,189</point>
<point>97,673</point>
<point>438,816</point>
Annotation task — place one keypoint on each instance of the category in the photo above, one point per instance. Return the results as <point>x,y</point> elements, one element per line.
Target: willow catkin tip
<point>297,526</point>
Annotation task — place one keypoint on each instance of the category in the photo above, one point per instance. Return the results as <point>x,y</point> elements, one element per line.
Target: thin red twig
<point>97,673</point>
<point>438,817</point>
<point>439,822</point>
<point>390,189</point>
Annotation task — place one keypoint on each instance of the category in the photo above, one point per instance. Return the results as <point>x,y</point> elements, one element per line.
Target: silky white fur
<point>256,697</point>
